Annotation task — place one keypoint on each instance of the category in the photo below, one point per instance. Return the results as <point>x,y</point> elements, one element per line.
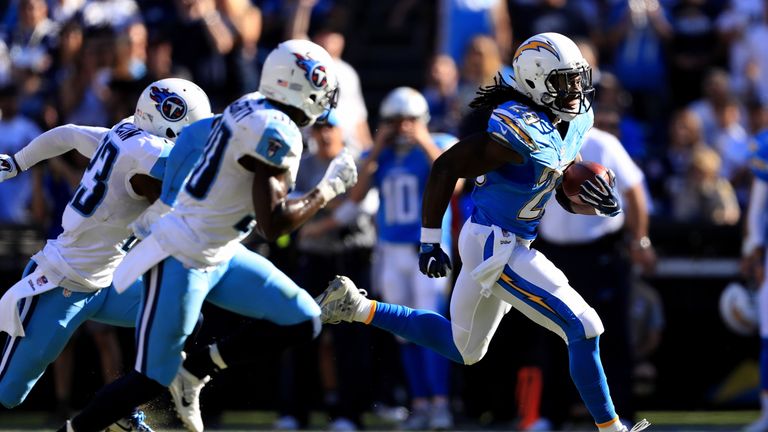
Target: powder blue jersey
<point>401,179</point>
<point>513,196</point>
<point>758,161</point>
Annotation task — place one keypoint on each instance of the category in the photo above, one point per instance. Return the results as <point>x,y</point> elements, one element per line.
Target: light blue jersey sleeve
<point>758,160</point>
<point>507,127</point>
<point>182,158</point>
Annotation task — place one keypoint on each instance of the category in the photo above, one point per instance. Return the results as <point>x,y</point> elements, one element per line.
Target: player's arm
<point>52,143</point>
<point>470,157</point>
<point>276,214</point>
<point>147,186</point>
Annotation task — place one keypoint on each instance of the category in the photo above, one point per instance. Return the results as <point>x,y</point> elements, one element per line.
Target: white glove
<point>142,225</point>
<point>340,176</point>
<point>8,168</point>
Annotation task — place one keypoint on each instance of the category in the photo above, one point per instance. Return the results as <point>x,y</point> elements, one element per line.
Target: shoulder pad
<point>508,127</point>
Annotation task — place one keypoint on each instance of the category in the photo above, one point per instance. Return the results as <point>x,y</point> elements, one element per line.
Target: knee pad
<point>593,326</point>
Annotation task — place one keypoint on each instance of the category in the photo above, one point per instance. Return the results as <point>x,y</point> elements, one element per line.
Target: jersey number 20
<point>534,208</point>
<point>93,186</point>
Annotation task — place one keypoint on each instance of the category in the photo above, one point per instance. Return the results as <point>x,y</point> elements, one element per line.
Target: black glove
<point>433,262</point>
<point>601,195</point>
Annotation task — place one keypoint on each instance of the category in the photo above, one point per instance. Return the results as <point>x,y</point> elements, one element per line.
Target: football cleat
<point>639,426</point>
<point>185,390</point>
<point>134,422</point>
<point>340,301</point>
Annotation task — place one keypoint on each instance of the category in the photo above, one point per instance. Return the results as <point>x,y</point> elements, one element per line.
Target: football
<point>579,172</point>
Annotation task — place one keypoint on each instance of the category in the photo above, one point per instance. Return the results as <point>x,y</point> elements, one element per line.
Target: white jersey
<point>96,220</point>
<point>214,210</point>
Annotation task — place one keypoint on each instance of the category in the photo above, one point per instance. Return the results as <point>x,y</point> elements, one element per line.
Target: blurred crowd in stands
<point>682,83</point>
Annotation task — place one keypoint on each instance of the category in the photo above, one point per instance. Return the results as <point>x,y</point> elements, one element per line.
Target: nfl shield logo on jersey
<point>273,147</point>
<point>171,106</point>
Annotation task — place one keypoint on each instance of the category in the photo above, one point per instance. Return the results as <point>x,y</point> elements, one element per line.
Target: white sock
<point>615,426</point>
<point>365,310</point>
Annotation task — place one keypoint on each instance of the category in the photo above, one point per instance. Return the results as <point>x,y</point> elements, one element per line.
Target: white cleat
<point>340,301</point>
<point>185,390</point>
<point>639,426</point>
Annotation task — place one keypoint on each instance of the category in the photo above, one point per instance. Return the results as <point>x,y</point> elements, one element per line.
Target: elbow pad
<point>563,200</point>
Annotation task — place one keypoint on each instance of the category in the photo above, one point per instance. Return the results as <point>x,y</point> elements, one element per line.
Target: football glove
<point>433,262</point>
<point>340,176</point>
<point>601,195</point>
<point>8,168</point>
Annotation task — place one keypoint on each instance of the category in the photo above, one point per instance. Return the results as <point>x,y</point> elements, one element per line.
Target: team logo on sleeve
<point>313,70</point>
<point>538,46</point>
<point>171,106</point>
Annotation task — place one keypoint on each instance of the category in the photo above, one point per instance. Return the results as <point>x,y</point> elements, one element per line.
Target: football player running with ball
<point>517,163</point>
<point>193,254</point>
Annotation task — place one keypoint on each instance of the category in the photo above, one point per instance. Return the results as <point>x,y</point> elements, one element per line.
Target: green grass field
<point>261,420</point>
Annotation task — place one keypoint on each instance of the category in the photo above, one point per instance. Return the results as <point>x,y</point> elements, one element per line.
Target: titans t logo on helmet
<point>171,106</point>
<point>313,71</point>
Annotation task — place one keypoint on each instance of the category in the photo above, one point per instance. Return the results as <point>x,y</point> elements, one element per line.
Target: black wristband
<point>564,201</point>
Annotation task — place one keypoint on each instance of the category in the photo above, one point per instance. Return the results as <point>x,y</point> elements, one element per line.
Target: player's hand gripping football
<point>601,195</point>
<point>433,262</point>
<point>8,168</point>
<point>340,176</point>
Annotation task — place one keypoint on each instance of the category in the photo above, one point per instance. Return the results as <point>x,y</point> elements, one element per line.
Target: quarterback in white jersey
<point>63,286</point>
<point>239,183</point>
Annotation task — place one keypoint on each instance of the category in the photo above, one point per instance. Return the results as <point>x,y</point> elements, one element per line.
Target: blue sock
<point>764,364</point>
<point>587,373</point>
<point>437,371</point>
<point>419,326</point>
<point>414,366</point>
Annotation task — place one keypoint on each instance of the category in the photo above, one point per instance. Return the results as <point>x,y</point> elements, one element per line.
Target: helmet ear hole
<point>169,133</point>
<point>530,83</point>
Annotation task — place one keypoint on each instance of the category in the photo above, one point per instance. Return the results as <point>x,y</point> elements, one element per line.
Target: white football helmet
<point>550,69</point>
<point>301,74</point>
<point>404,102</point>
<point>738,309</point>
<point>167,105</point>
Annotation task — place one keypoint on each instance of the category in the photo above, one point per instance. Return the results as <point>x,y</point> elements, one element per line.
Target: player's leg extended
<point>474,317</point>
<point>122,309</point>
<point>252,286</point>
<point>534,286</point>
<point>171,302</point>
<point>49,321</point>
